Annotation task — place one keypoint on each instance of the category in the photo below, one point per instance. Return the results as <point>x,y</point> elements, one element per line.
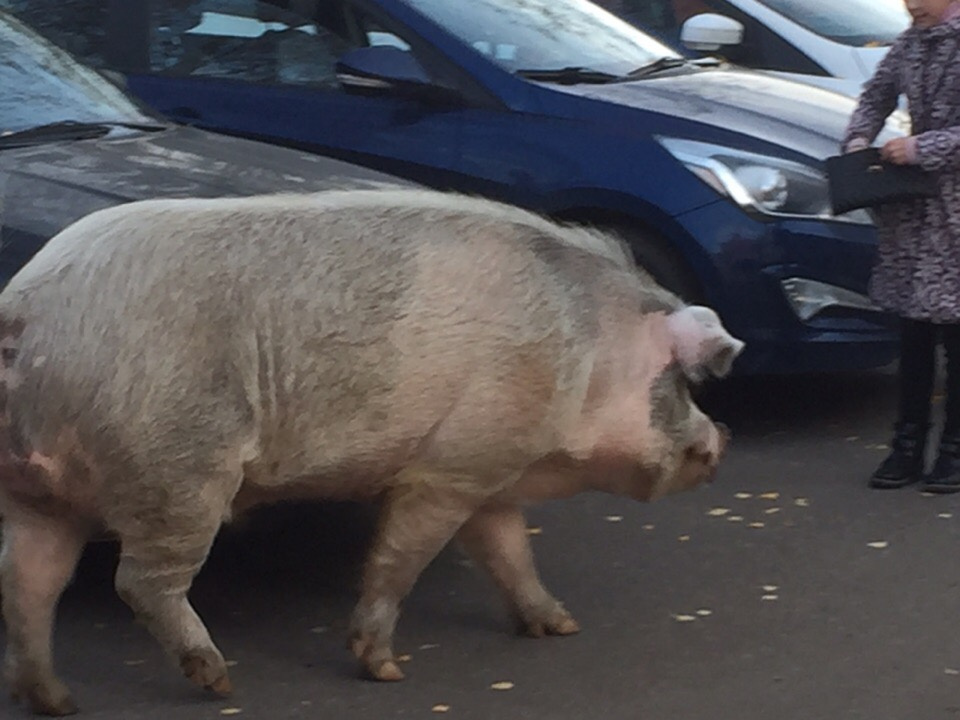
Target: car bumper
<point>794,290</point>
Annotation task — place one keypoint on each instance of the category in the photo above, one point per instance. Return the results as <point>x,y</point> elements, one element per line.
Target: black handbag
<point>861,179</point>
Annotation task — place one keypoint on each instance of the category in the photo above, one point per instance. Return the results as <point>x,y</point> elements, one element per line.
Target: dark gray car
<point>72,142</point>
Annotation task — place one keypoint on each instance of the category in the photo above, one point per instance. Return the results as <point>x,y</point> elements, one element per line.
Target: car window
<point>852,22</point>
<point>545,34</point>
<point>42,84</point>
<point>77,26</point>
<point>247,40</point>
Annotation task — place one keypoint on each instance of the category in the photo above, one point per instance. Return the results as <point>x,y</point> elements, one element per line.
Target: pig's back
<point>333,331</point>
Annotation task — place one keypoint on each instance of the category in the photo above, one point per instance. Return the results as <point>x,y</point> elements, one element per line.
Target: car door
<point>260,70</point>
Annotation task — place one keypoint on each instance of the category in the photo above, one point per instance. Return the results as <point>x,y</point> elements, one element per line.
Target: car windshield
<point>43,85</point>
<point>546,35</point>
<point>861,23</point>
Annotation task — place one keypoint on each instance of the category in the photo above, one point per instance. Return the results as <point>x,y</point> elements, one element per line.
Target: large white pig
<point>167,364</point>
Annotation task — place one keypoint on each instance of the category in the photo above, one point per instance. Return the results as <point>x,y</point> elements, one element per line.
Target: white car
<point>836,44</point>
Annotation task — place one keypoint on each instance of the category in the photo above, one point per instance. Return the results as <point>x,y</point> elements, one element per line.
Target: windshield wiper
<point>569,76</point>
<point>67,130</point>
<point>657,66</point>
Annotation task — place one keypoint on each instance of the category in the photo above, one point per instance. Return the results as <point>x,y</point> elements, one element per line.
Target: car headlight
<point>761,183</point>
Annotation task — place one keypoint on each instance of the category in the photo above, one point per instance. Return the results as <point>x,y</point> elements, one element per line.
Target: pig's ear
<point>701,344</point>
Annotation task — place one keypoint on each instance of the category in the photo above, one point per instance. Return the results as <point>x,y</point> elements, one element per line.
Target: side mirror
<point>391,70</point>
<point>709,32</point>
<point>380,67</point>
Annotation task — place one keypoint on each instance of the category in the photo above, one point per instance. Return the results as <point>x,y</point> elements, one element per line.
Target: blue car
<point>714,175</point>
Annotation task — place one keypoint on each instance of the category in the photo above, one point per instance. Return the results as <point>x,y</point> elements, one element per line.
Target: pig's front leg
<point>496,538</point>
<point>418,519</point>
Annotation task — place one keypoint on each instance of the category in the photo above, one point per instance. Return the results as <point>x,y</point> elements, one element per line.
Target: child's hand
<point>897,151</point>
<point>856,144</point>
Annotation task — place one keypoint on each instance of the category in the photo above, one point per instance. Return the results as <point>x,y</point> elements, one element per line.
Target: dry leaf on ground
<point>879,544</point>
<point>743,496</point>
<point>534,531</point>
<point>770,496</point>
<point>440,708</point>
<point>614,518</point>
<point>503,685</point>
<point>718,512</point>
<point>684,618</point>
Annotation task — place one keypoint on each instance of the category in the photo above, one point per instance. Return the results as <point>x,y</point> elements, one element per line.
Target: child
<point>917,274</point>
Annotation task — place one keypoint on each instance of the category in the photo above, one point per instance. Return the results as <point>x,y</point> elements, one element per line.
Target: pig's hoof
<point>560,623</point>
<point>207,669</point>
<point>54,701</point>
<point>377,664</point>
<point>385,671</point>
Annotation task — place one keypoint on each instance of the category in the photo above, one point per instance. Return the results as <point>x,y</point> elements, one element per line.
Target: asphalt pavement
<point>787,589</point>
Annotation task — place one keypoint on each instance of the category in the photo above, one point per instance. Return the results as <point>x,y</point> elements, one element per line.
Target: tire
<point>664,263</point>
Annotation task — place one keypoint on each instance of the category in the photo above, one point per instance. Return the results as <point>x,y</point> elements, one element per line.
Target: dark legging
<point>918,345</point>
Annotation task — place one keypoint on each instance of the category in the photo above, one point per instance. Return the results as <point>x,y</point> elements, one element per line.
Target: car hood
<point>181,161</point>
<point>806,119</point>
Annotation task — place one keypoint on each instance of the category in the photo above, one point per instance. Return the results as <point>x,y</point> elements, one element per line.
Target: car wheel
<point>663,262</point>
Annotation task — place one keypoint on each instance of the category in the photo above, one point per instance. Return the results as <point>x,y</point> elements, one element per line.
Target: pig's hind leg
<point>164,542</point>
<point>39,557</point>
<point>496,538</point>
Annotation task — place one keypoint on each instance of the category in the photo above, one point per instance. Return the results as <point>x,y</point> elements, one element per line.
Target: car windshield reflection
<point>43,85</point>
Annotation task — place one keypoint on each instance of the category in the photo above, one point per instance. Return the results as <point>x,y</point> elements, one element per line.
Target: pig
<point>169,364</point>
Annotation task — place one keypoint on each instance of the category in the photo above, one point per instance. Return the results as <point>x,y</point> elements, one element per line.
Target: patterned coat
<point>917,273</point>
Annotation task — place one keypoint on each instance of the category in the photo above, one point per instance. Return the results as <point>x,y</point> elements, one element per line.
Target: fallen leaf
<point>718,512</point>
<point>230,663</point>
<point>648,527</point>
<point>531,531</point>
<point>878,446</point>
<point>853,438</point>
<point>757,525</point>
<point>429,646</point>
<point>801,502</point>
<point>684,618</point>
<point>945,515</point>
<point>928,494</point>
<point>743,496</point>
<point>770,496</point>
<point>771,511</point>
<point>134,662</point>
<point>440,708</point>
<point>319,630</point>
<point>703,612</point>
<point>735,518</point>
<point>771,588</point>
<point>404,658</point>
<point>770,597</point>
<point>503,685</point>
<point>683,538</point>
<point>951,671</point>
<point>879,545</point>
<point>231,711</point>
<point>614,518</point>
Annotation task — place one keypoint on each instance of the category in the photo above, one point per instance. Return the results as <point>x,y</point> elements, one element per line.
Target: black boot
<point>904,464</point>
<point>945,476</point>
